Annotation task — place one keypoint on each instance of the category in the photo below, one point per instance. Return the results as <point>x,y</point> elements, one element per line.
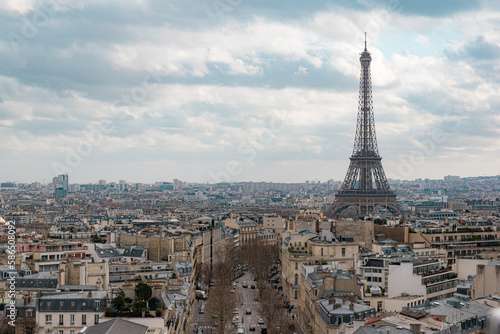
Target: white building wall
<point>466,267</point>
<point>402,280</point>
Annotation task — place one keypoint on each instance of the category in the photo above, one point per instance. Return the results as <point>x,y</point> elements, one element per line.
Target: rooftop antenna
<point>365,40</point>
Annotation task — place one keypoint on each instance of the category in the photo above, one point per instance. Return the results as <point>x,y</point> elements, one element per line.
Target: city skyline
<point>244,91</point>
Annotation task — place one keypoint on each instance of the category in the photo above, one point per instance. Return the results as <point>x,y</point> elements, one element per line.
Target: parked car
<point>260,321</point>
<point>252,286</point>
<point>251,328</point>
<point>248,311</point>
<point>245,284</point>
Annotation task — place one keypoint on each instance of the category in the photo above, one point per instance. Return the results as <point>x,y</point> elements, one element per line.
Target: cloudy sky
<point>245,90</point>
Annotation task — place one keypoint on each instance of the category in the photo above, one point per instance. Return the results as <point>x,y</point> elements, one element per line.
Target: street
<point>246,301</point>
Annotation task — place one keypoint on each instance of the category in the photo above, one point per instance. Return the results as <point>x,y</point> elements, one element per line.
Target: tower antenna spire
<point>365,40</point>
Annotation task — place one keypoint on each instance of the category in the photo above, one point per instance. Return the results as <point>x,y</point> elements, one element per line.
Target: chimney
<point>415,328</point>
<point>351,306</point>
<point>90,294</point>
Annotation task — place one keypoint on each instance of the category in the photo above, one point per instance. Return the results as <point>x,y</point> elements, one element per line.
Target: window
<point>296,279</point>
<point>72,319</point>
<point>84,304</point>
<point>296,294</point>
<point>71,331</point>
<point>343,251</point>
<point>321,251</point>
<point>84,319</point>
<point>296,265</point>
<point>61,319</point>
<point>97,304</point>
<point>96,319</point>
<point>61,331</point>
<point>379,305</point>
<point>48,318</point>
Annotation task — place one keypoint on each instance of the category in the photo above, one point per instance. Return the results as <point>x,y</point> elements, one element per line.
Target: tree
<point>26,325</point>
<point>272,310</point>
<point>260,257</point>
<point>143,291</point>
<point>119,300</point>
<point>220,306</point>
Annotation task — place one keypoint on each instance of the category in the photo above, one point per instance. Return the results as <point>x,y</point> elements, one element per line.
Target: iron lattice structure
<point>365,185</point>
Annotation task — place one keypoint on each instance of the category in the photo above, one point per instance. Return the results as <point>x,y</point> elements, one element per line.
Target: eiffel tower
<point>365,185</point>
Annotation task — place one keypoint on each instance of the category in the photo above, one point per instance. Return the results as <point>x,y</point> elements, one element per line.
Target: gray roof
<point>43,280</point>
<point>456,309</point>
<point>117,326</point>
<point>134,251</point>
<point>382,329</point>
<point>107,252</point>
<point>78,288</point>
<point>344,307</point>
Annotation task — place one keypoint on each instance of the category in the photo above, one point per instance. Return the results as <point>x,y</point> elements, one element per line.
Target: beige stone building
<point>321,249</point>
<point>487,280</point>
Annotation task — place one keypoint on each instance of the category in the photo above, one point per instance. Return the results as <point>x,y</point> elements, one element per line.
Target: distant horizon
<point>234,182</point>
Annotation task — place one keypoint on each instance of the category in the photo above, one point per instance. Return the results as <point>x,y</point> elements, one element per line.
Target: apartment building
<point>321,281</point>
<point>47,257</point>
<point>487,280</point>
<point>321,249</point>
<point>428,278</point>
<point>68,313</point>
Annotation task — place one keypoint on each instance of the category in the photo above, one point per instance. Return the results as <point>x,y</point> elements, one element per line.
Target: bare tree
<point>28,325</point>
<point>275,315</point>
<point>260,257</point>
<point>220,306</point>
<point>205,273</point>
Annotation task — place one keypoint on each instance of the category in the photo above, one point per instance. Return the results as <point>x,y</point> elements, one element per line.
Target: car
<point>251,328</point>
<point>252,286</point>
<point>260,321</point>
<point>245,284</point>
<point>234,284</point>
<point>235,311</point>
<point>240,331</point>
<point>263,331</point>
<point>248,311</point>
